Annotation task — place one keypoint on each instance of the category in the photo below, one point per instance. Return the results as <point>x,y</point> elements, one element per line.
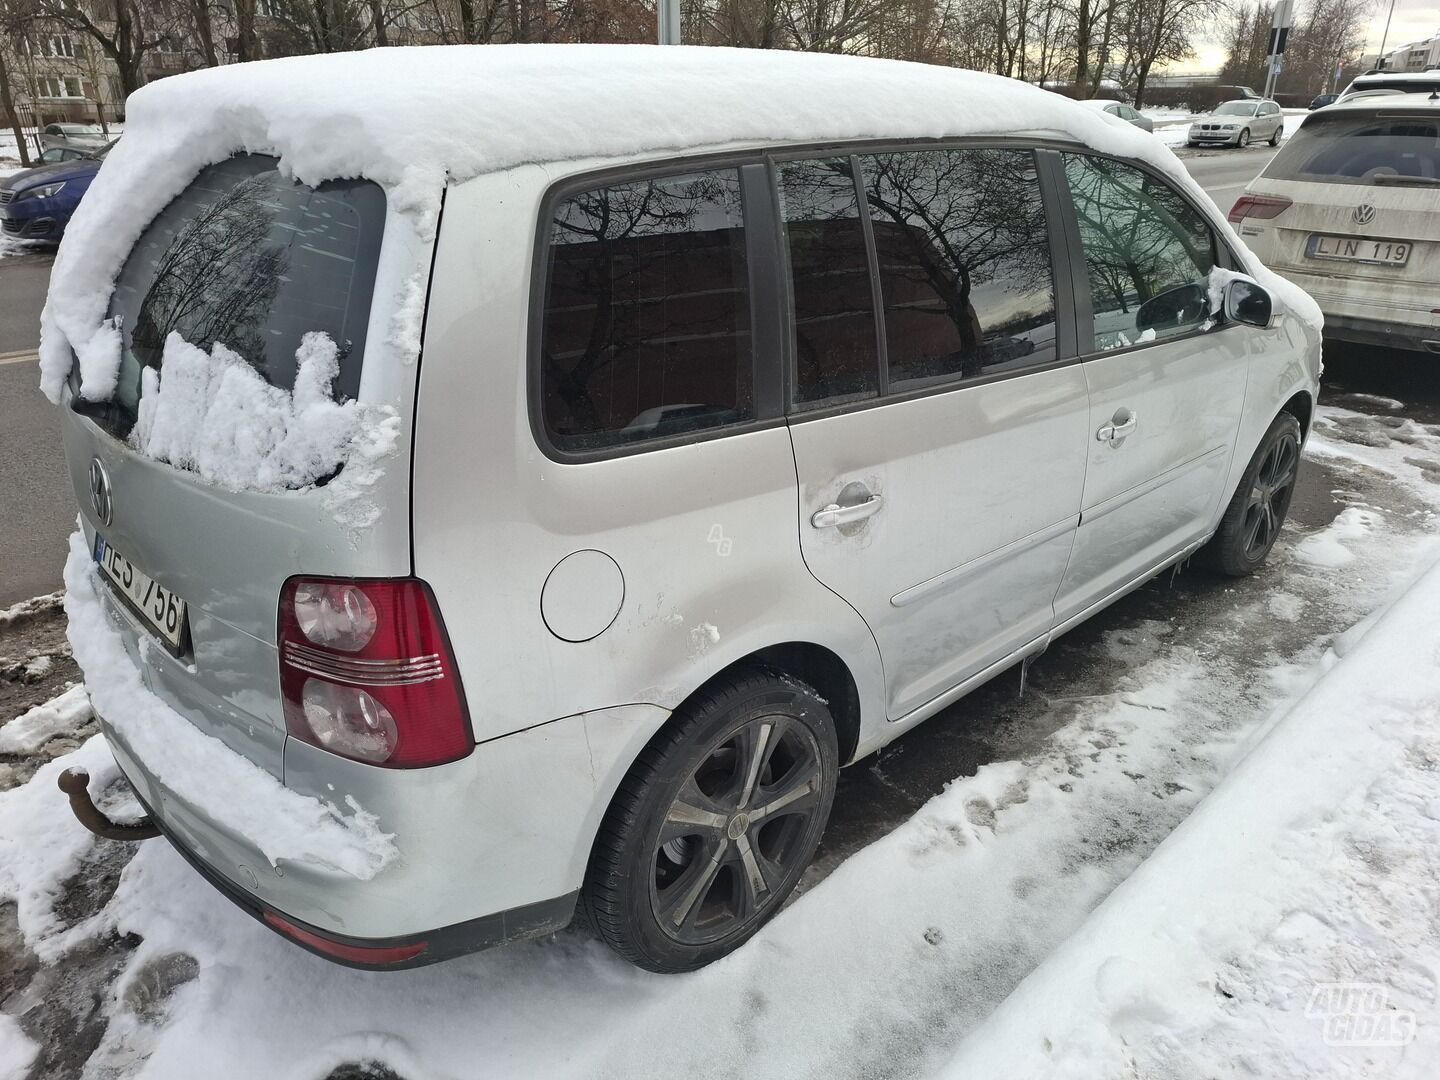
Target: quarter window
<point>964,258</point>
<point>836,347</point>
<point>646,326</point>
<point>1148,252</point>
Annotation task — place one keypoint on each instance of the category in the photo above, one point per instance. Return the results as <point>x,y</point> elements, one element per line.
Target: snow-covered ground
<point>1287,927</point>
<point>901,955</point>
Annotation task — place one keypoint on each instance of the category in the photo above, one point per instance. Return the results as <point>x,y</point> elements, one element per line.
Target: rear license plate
<point>162,611</point>
<point>1359,249</point>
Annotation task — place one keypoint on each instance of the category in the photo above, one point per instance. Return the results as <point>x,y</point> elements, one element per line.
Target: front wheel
<point>1244,140</point>
<point>1275,138</point>
<point>717,820</point>
<point>1252,521</point>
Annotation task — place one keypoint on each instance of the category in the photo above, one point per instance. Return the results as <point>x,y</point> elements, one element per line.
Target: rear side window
<point>250,260</point>
<point>646,328</point>
<point>1148,252</point>
<point>1348,149</point>
<point>964,258</point>
<point>837,352</point>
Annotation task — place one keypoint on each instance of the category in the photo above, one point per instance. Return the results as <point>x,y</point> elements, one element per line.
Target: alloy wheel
<point>736,830</point>
<point>1270,496</point>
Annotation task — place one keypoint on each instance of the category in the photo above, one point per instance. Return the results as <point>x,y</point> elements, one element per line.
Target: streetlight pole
<point>667,18</point>
<point>1380,59</point>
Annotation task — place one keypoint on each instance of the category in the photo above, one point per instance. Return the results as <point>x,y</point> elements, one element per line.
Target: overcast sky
<point>1414,19</point>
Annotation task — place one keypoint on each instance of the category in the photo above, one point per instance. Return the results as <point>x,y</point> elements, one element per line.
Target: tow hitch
<point>75,784</point>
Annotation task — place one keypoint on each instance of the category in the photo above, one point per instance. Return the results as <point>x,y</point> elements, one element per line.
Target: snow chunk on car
<point>213,414</point>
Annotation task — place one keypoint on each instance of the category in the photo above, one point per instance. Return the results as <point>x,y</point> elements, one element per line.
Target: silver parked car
<point>83,137</point>
<point>1122,111</point>
<point>725,465</point>
<point>1238,123</point>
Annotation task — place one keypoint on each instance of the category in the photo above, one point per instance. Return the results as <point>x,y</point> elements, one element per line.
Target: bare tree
<point>1161,32</point>
<point>16,17</point>
<point>124,31</point>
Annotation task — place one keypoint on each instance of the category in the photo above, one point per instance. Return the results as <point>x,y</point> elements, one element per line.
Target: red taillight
<point>1258,206</point>
<point>355,954</point>
<point>366,672</point>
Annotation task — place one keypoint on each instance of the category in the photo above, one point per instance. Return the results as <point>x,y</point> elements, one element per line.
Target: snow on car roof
<point>1397,76</point>
<point>411,118</point>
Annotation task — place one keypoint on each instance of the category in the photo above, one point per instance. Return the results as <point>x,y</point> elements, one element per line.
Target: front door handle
<point>1123,423</point>
<point>835,514</point>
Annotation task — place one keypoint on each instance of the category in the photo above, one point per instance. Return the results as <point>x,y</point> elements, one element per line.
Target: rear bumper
<point>1390,335</point>
<point>443,943</point>
<point>492,848</point>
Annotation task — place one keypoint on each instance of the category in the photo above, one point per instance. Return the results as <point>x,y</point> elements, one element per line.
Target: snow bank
<point>200,770</point>
<point>1286,927</point>
<point>27,609</point>
<point>42,845</point>
<point>33,729</point>
<point>458,111</point>
<point>214,414</point>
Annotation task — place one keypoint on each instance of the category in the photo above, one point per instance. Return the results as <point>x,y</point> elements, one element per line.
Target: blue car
<point>36,204</point>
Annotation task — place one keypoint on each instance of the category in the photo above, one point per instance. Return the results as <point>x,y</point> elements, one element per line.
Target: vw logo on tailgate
<point>1364,214</point>
<point>100,497</point>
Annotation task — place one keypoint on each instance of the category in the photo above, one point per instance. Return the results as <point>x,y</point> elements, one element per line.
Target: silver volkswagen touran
<point>725,467</point>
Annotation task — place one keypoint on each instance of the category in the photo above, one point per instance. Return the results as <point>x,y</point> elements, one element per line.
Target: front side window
<point>964,259</point>
<point>646,324</point>
<point>1148,252</point>
<point>837,354</point>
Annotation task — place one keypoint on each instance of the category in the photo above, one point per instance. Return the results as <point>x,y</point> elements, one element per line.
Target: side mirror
<point>1248,303</point>
<point>1180,306</point>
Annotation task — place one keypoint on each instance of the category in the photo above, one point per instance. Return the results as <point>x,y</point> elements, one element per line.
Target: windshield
<point>1343,148</point>
<point>1235,108</point>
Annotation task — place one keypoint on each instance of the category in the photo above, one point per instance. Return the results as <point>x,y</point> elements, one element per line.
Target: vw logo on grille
<point>1364,214</point>
<point>100,497</point>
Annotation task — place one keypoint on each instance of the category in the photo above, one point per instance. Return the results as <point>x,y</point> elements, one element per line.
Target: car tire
<point>715,822</point>
<point>1244,139</point>
<point>1252,521</point>
<point>1275,138</point>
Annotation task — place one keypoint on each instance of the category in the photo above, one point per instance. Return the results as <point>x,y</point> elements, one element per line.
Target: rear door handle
<point>835,514</point>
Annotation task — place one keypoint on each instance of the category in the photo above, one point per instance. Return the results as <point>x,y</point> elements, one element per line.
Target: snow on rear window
<point>251,262</point>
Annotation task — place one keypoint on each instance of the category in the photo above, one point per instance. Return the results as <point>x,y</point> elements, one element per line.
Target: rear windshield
<point>253,261</point>
<point>1381,149</point>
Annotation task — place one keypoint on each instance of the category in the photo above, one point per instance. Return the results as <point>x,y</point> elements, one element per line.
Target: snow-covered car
<point>482,521</point>
<point>1396,82</point>
<point>1350,208</point>
<point>1121,110</point>
<point>1238,123</point>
